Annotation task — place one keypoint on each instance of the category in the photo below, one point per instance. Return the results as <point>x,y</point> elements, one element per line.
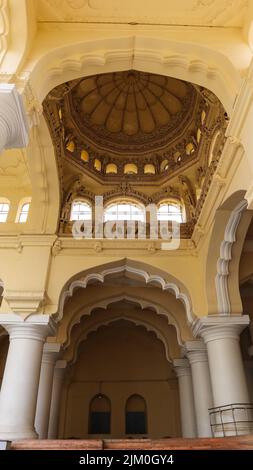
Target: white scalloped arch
<point>191,62</point>
<point>82,282</point>
<point>148,327</point>
<point>221,279</point>
<point>103,304</point>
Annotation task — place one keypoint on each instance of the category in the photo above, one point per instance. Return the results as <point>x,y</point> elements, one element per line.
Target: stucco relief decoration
<point>198,12</point>
<point>4,28</point>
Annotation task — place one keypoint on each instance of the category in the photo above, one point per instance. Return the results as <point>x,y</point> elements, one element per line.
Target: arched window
<point>24,213</point>
<point>170,211</point>
<point>136,415</point>
<point>4,209</point>
<point>23,210</point>
<point>100,415</point>
<point>80,211</point>
<point>124,210</point>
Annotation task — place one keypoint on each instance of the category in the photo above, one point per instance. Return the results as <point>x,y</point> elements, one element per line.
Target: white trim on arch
<point>148,278</point>
<point>221,278</point>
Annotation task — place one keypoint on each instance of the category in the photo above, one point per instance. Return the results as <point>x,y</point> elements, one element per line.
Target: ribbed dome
<point>131,102</point>
<point>130,108</point>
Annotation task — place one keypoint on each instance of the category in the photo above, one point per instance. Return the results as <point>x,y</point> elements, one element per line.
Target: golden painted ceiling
<point>137,134</point>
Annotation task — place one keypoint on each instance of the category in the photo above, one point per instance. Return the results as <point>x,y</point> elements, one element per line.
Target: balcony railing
<point>234,419</point>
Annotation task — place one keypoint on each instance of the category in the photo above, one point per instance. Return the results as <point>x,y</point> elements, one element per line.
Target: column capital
<point>196,351</point>
<point>216,327</point>
<point>13,121</point>
<point>181,367</point>
<point>36,327</point>
<point>50,352</point>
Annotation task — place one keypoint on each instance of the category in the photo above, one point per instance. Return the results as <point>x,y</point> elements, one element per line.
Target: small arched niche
<point>100,415</point>
<point>136,415</point>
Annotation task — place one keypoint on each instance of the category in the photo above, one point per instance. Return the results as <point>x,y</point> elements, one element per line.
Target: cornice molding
<point>17,242</point>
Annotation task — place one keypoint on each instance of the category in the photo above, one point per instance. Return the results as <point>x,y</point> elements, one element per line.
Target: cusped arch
<point>195,63</point>
<point>148,327</point>
<point>140,270</point>
<point>106,302</point>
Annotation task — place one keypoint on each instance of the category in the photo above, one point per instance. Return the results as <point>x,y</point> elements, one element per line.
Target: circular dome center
<point>123,111</point>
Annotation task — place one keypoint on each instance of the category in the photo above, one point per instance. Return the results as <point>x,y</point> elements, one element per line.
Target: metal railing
<point>231,420</point>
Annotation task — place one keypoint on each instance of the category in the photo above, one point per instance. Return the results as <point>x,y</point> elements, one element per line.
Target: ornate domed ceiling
<point>124,111</point>
<point>132,125</point>
<point>135,134</point>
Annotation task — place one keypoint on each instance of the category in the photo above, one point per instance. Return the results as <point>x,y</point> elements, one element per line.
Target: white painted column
<point>229,386</point>
<point>21,376</point>
<point>13,122</point>
<point>49,357</point>
<point>59,372</point>
<point>188,421</point>
<point>202,390</point>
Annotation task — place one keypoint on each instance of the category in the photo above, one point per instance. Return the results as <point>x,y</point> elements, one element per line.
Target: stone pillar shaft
<point>50,353</point>
<point>21,376</point>
<point>188,422</point>
<point>202,390</point>
<point>59,371</point>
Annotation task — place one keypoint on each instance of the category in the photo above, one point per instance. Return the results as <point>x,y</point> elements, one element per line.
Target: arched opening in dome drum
<point>130,169</point>
<point>149,169</point>
<point>111,168</point>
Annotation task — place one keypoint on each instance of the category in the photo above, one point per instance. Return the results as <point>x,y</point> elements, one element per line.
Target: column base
<point>8,435</point>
